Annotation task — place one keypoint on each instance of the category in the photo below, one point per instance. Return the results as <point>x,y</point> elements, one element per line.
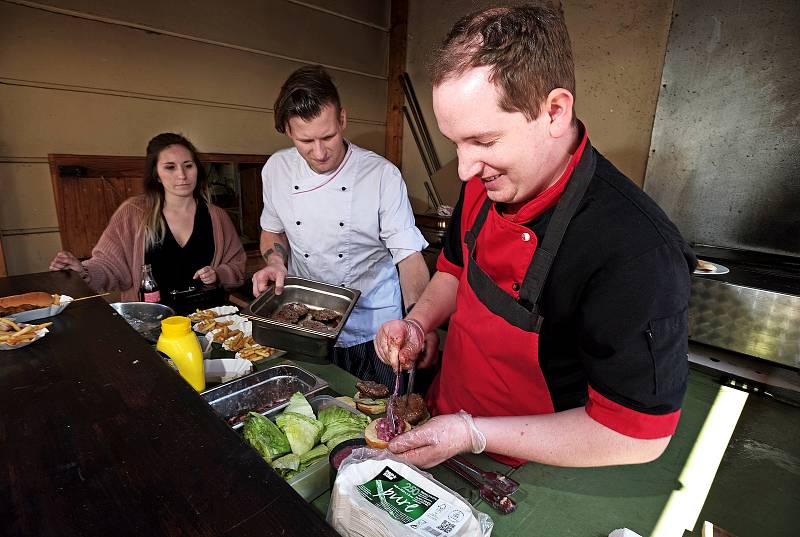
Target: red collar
<point>551,194</point>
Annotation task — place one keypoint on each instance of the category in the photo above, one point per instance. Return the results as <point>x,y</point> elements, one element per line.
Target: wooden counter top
<point>98,436</point>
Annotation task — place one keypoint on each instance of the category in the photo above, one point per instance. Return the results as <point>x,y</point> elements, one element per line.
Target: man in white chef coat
<point>340,214</point>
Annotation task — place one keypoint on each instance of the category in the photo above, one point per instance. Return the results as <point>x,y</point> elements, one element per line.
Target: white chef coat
<point>348,227</point>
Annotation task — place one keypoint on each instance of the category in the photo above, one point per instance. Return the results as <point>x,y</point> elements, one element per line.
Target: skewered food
<point>10,305</point>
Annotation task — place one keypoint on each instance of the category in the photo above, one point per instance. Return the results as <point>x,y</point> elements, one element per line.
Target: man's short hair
<point>304,94</point>
<point>527,48</point>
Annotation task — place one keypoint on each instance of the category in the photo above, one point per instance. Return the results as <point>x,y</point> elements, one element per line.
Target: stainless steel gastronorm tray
<point>268,390</point>
<point>290,337</point>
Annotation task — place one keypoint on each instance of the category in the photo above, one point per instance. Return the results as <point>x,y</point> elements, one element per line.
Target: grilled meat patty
<point>411,408</point>
<point>325,315</point>
<point>291,312</point>
<point>313,325</point>
<point>371,389</point>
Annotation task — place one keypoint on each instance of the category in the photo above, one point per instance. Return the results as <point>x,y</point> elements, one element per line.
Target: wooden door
<point>88,189</point>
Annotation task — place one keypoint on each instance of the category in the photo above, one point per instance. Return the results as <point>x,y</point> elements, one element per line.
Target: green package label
<point>425,514</point>
<point>400,498</point>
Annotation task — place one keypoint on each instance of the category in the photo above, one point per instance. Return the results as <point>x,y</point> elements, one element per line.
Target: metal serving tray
<point>269,389</point>
<point>290,337</point>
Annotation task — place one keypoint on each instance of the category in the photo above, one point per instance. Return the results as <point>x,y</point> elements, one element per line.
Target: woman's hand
<point>207,275</point>
<point>66,261</point>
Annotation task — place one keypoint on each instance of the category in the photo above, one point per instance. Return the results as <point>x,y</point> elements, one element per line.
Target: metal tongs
<point>390,403</point>
<point>492,495</point>
<point>499,482</point>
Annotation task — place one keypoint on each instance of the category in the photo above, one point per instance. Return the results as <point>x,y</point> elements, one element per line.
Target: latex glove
<point>66,261</point>
<point>275,272</point>
<point>207,275</point>
<point>439,439</point>
<point>399,341</point>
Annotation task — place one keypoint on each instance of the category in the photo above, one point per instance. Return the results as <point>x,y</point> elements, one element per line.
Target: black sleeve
<point>634,330</point>
<point>452,238</point>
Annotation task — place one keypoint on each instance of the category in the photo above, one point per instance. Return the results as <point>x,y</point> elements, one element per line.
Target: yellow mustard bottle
<point>179,343</point>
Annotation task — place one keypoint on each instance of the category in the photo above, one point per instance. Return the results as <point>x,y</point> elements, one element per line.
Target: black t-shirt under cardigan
<point>173,265</point>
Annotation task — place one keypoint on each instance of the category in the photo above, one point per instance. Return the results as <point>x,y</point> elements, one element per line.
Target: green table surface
<point>592,502</point>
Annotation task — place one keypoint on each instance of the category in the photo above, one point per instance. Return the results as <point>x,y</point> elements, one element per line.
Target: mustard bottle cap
<point>176,326</point>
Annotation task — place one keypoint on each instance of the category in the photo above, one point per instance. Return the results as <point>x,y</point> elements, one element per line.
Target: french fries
<point>225,333</point>
<point>256,352</point>
<point>211,324</point>
<point>13,334</point>
<point>202,315</point>
<point>238,342</point>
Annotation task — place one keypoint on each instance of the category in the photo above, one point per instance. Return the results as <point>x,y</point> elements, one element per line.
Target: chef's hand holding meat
<point>439,439</point>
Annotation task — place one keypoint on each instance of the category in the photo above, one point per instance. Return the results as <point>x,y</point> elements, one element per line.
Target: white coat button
<point>526,237</point>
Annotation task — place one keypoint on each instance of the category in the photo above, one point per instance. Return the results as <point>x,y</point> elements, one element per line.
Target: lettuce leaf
<point>299,405</point>
<point>302,432</point>
<point>265,437</point>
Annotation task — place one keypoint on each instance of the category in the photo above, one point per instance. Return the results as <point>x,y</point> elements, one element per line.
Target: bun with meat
<point>371,397</point>
<point>377,433</point>
<point>10,305</point>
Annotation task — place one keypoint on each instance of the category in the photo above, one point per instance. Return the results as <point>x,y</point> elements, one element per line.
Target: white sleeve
<point>269,216</point>
<point>398,230</point>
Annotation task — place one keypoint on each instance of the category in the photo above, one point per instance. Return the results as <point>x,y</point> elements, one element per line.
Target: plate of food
<point>15,335</point>
<point>707,268</point>
<point>32,306</point>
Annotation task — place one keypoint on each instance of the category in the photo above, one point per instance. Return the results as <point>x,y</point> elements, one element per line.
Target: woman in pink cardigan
<point>173,226</point>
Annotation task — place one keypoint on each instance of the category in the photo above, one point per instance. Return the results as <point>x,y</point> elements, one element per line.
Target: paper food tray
<point>219,311</point>
<point>226,369</point>
<point>39,335</point>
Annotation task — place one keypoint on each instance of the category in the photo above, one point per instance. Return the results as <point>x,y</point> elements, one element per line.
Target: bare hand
<point>207,275</point>
<point>66,261</point>
<point>399,341</point>
<point>271,273</point>
<point>437,440</point>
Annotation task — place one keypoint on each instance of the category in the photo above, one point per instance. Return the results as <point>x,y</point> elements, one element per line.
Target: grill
<point>754,309</point>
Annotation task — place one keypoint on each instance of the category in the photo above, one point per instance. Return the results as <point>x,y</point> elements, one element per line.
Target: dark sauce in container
<point>340,452</point>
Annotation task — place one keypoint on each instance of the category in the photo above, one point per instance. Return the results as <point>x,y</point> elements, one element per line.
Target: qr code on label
<point>446,526</point>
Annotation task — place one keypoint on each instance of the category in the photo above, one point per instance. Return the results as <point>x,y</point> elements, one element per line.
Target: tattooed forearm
<point>277,250</point>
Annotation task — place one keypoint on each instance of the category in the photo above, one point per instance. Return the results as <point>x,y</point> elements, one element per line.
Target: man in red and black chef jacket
<point>566,287</point>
